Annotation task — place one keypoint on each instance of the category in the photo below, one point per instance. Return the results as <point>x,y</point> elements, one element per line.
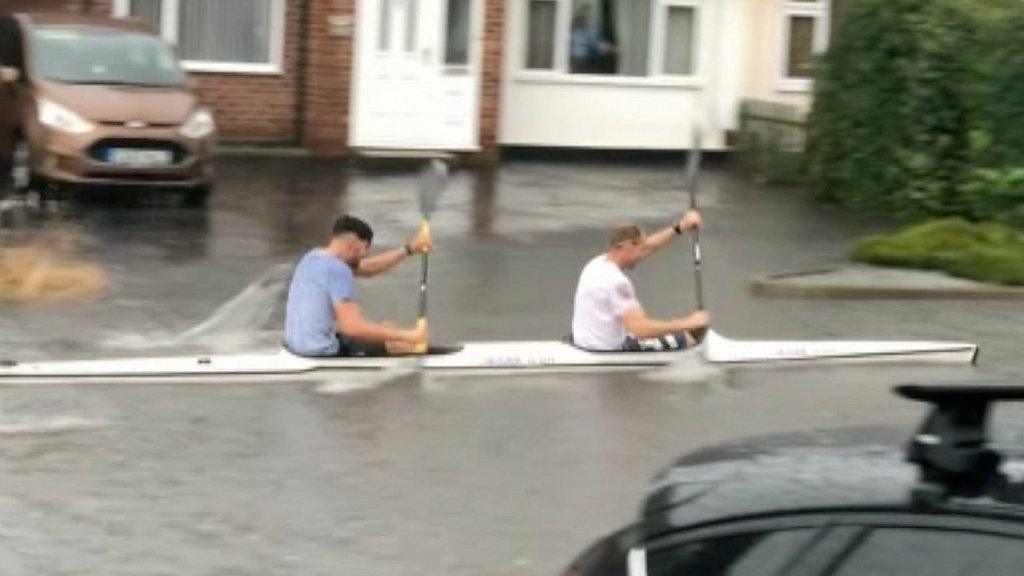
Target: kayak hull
<point>511,356</point>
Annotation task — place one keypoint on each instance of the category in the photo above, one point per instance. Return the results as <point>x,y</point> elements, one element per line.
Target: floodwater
<point>419,474</point>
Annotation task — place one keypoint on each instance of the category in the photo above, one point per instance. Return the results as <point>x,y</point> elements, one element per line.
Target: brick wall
<point>490,89</point>
<point>329,79</point>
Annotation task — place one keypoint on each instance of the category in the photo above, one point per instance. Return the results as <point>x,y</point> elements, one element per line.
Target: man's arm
<point>689,221</point>
<point>380,263</point>
<point>373,265</point>
<point>352,324</point>
<point>637,323</point>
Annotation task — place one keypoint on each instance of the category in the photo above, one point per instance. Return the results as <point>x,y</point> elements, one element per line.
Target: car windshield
<point>75,55</point>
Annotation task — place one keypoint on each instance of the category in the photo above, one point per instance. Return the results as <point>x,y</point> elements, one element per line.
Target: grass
<point>988,252</point>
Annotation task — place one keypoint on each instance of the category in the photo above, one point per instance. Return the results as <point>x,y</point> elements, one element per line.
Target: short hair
<point>346,224</point>
<point>626,233</point>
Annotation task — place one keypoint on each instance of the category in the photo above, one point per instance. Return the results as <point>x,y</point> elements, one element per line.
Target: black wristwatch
<point>408,250</point>
<point>677,228</point>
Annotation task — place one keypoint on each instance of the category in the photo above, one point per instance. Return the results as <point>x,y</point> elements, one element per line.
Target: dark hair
<point>350,224</point>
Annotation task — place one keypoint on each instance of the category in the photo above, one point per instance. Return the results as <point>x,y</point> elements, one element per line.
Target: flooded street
<point>423,474</point>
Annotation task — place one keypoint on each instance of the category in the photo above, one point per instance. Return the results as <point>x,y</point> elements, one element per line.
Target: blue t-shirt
<point>319,281</point>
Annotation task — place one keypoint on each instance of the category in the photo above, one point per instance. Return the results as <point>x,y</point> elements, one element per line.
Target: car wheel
<point>197,197</point>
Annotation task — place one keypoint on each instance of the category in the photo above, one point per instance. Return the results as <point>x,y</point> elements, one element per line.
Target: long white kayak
<point>510,356</point>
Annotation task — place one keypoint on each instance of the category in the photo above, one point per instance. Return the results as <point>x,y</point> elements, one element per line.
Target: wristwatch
<point>408,250</point>
<point>677,228</point>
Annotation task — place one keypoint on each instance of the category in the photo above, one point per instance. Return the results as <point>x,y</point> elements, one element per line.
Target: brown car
<point>99,103</point>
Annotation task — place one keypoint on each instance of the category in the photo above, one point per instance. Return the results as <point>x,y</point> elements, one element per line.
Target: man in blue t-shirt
<point>322,317</point>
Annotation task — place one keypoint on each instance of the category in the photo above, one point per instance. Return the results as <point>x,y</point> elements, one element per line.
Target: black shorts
<point>354,348</point>
<point>676,341</point>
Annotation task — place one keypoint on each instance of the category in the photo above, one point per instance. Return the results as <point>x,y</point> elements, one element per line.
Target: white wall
<point>556,109</point>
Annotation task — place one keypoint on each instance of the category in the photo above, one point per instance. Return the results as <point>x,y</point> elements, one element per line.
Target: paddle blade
<point>433,180</point>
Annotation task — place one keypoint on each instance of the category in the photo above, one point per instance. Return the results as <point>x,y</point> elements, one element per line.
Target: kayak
<point>511,356</point>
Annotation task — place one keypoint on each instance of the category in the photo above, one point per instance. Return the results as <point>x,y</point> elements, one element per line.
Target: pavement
<point>859,281</point>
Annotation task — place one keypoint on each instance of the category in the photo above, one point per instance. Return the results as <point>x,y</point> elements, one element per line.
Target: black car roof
<point>842,469</point>
<point>817,470</point>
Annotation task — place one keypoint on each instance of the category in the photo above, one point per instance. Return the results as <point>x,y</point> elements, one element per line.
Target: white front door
<point>417,75</point>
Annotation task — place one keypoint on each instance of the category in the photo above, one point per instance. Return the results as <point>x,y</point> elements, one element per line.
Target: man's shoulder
<point>315,259</point>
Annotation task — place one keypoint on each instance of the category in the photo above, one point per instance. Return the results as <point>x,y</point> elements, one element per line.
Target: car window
<point>753,554</point>
<point>908,551</point>
<point>84,56</point>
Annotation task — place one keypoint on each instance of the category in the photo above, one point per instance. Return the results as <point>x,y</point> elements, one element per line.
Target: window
<point>82,56</point>
<point>631,38</point>
<point>934,553</point>
<point>754,554</point>
<point>680,34</point>
<point>804,35</point>
<point>456,44</point>
<point>540,42</point>
<point>147,10</point>
<point>217,35</point>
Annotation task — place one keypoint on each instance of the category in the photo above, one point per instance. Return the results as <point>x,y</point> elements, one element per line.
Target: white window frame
<point>655,54</point>
<point>169,27</point>
<point>819,11</point>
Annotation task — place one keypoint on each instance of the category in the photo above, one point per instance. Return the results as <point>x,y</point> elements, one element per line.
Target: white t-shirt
<point>604,292</point>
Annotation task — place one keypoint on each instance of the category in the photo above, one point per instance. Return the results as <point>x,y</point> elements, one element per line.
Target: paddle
<point>692,168</point>
<point>432,183</point>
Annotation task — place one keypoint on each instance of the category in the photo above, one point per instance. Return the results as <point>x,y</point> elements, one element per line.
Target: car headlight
<point>60,118</point>
<point>199,125</point>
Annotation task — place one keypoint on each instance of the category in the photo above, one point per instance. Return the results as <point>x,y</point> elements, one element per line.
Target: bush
<point>989,252</point>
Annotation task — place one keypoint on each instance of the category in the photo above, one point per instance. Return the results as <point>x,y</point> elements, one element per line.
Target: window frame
<point>169,31</point>
<point>819,10</point>
<point>655,77</point>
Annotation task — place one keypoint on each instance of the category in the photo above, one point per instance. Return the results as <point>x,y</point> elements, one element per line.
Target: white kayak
<point>512,356</point>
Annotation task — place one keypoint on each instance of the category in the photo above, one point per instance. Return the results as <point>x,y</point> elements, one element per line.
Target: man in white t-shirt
<point>606,312</point>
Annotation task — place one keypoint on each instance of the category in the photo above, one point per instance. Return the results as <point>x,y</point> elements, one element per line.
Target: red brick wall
<point>490,89</point>
<point>29,5</point>
<point>100,6</point>
<point>328,80</point>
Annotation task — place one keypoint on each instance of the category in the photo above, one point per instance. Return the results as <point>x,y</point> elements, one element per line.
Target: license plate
<point>136,157</point>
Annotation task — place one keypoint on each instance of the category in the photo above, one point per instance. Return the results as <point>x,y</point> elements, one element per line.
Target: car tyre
<point>197,197</point>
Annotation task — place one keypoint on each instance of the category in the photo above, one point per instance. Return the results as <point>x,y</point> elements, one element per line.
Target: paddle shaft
<point>698,280</point>
<point>692,167</point>
<point>424,277</point>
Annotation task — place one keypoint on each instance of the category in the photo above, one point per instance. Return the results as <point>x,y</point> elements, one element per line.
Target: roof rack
<point>951,446</point>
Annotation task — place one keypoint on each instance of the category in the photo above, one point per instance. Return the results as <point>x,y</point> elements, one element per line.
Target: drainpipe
<point>301,72</point>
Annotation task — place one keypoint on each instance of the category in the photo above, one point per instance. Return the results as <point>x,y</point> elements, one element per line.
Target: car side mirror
<point>9,75</point>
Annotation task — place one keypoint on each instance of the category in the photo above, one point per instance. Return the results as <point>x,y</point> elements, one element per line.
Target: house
<point>476,76</point>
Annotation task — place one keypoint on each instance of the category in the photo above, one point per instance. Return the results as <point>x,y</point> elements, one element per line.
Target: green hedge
<point>989,252</point>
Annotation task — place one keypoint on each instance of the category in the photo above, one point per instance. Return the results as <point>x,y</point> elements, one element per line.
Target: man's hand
<point>696,321</point>
<point>422,242</point>
<point>691,220</point>
<point>417,335</point>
